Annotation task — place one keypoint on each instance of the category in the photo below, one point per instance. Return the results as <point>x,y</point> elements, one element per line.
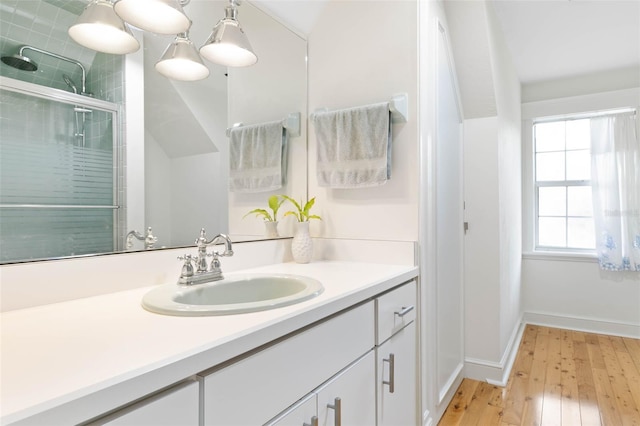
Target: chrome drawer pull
<point>337,407</point>
<point>404,311</point>
<point>392,375</point>
<point>314,422</point>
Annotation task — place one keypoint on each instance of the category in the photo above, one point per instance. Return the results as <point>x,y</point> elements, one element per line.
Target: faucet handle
<point>150,240</point>
<point>216,266</point>
<point>187,267</point>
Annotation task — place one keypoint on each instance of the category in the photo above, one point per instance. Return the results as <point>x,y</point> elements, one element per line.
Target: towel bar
<point>291,123</point>
<point>398,105</point>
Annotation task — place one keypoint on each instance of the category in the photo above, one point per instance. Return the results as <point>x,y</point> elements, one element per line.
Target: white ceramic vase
<point>302,245</point>
<point>271,229</point>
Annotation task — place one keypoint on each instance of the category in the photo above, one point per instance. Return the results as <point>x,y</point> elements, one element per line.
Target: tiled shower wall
<point>44,26</point>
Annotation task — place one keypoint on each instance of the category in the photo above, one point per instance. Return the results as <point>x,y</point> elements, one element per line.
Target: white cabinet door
<point>176,406</point>
<point>302,413</point>
<point>349,399</point>
<point>258,387</point>
<point>396,379</point>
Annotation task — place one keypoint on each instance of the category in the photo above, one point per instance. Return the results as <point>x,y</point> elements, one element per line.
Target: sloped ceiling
<point>469,37</point>
<point>548,41</point>
<point>557,39</point>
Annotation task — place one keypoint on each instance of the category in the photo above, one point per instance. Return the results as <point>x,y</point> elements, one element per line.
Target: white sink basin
<point>235,294</point>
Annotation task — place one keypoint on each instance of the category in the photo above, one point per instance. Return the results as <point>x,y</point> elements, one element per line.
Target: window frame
<point>584,105</point>
<point>555,183</point>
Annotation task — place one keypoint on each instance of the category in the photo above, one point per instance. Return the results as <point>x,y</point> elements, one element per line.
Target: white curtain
<point>615,180</point>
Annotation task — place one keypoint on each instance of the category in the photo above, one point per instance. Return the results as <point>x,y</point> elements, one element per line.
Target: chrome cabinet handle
<point>392,374</point>
<point>404,311</point>
<point>337,407</point>
<point>314,422</point>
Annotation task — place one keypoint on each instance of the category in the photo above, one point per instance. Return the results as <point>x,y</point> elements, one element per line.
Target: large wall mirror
<point>170,173</point>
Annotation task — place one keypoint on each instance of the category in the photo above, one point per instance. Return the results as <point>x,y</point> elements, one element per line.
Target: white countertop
<point>84,357</point>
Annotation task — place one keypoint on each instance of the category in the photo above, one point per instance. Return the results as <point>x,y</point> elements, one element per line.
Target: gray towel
<point>353,146</point>
<point>257,157</point>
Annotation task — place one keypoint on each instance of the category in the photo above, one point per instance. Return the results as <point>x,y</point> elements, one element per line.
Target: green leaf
<point>292,213</point>
<point>308,206</point>
<point>274,204</point>
<point>302,214</point>
<point>260,212</point>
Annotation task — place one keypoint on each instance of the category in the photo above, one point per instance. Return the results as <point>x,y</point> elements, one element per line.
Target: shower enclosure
<point>61,173</point>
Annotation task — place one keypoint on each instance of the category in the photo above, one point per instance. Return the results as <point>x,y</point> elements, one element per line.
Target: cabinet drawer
<point>395,310</point>
<point>302,412</point>
<point>176,406</point>
<point>256,388</point>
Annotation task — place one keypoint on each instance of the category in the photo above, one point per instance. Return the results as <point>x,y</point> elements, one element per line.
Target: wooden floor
<point>560,377</point>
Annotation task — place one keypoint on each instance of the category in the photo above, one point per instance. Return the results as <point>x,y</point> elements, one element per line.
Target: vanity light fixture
<point>181,61</point>
<point>228,44</point>
<point>100,29</point>
<point>156,16</point>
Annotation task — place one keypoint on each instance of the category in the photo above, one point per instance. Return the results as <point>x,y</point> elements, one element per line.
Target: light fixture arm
<point>231,11</point>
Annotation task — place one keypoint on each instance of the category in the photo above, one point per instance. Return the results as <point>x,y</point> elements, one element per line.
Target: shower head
<point>20,62</point>
<point>70,83</point>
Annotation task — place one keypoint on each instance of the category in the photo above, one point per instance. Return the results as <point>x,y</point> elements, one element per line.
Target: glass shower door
<point>58,178</point>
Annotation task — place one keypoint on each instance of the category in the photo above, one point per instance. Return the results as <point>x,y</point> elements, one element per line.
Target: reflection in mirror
<point>185,169</point>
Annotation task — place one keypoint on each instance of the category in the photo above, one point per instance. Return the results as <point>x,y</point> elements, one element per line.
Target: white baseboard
<point>449,388</point>
<point>426,418</point>
<point>496,373</point>
<point>588,325</point>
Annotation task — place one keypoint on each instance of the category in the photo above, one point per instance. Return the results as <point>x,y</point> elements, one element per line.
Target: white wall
<point>134,140</point>
<point>197,174</point>
<point>507,88</point>
<point>493,200</point>
<point>576,294</point>
<point>482,243</point>
<point>174,213</point>
<point>571,291</point>
<point>280,76</point>
<point>360,54</point>
<point>157,193</point>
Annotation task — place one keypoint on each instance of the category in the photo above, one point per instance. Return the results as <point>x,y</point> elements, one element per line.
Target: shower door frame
<point>57,95</point>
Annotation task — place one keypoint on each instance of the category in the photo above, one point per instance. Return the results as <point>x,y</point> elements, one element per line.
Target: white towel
<point>353,146</point>
<point>257,157</point>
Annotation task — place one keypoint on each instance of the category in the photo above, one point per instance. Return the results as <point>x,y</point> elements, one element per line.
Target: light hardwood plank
<point>520,373</point>
<point>460,402</point>
<point>569,385</point>
<point>552,402</point>
<point>619,385</point>
<point>559,377</point>
<point>532,409</point>
<point>606,399</point>
<point>589,413</point>
<point>478,405</point>
<point>493,412</point>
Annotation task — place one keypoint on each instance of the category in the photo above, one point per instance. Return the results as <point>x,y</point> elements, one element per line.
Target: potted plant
<point>270,219</point>
<point>301,245</point>
<point>301,213</point>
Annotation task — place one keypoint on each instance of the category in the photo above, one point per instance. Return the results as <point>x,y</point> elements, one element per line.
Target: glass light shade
<point>99,28</point>
<point>157,16</point>
<point>228,45</point>
<point>181,61</point>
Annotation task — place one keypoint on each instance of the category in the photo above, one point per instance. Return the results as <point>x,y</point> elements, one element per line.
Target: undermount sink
<point>235,294</point>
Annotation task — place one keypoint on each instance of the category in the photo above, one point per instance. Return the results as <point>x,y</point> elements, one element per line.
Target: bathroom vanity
<point>348,355</point>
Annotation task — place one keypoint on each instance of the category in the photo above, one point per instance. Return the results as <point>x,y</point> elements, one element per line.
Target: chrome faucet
<point>149,239</point>
<point>203,273</point>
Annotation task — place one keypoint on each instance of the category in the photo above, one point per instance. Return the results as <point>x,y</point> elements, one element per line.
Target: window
<point>562,170</point>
